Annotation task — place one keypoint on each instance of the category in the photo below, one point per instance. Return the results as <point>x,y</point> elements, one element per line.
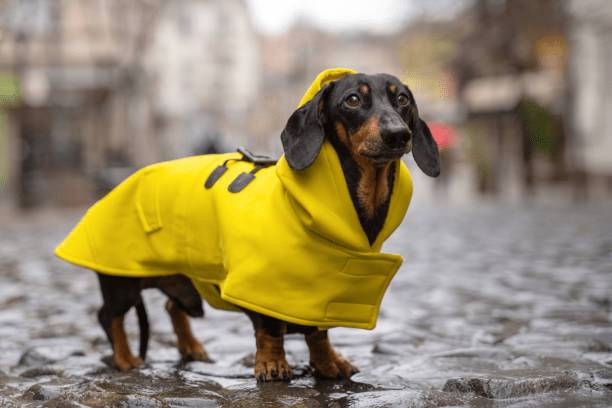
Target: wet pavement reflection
<point>495,306</point>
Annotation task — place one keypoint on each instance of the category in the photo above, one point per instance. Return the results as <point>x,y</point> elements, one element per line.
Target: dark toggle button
<point>244,179</point>
<point>240,182</point>
<point>217,173</point>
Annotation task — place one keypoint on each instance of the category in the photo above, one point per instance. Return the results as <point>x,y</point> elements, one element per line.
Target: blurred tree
<point>509,36</point>
<point>512,62</point>
<point>425,54</point>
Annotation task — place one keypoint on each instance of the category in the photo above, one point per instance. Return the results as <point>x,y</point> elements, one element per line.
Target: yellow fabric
<point>290,245</point>
<point>325,77</point>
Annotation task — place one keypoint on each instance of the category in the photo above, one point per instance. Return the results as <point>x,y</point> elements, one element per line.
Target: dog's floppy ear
<point>304,133</point>
<point>425,149</point>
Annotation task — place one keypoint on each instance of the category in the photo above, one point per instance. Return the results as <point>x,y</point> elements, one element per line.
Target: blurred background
<point>517,92</point>
<point>505,296</point>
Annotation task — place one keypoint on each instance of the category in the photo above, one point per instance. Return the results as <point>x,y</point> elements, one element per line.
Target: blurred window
<point>184,23</point>
<point>29,16</point>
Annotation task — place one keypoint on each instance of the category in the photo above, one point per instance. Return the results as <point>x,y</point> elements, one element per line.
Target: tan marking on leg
<point>326,362</point>
<point>122,355</point>
<point>270,362</point>
<point>189,347</point>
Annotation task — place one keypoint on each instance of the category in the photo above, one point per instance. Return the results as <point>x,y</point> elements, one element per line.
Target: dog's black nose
<point>395,136</point>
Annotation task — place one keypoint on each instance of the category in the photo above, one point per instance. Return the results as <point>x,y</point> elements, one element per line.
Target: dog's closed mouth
<point>384,156</point>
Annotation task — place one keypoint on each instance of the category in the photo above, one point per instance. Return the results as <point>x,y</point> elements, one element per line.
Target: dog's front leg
<point>270,361</point>
<point>326,362</point>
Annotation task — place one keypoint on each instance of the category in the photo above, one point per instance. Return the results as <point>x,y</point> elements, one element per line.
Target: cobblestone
<point>504,306</point>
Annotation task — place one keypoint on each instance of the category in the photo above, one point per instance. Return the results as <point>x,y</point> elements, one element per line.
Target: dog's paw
<point>194,351</point>
<point>272,370</point>
<point>126,363</point>
<point>197,355</point>
<point>334,368</point>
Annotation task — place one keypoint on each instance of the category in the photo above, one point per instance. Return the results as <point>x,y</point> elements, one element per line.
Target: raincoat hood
<point>333,220</point>
<point>322,202</point>
<point>289,245</point>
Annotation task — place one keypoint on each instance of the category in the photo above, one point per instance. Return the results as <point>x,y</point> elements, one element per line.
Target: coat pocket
<point>364,282</point>
<point>147,202</point>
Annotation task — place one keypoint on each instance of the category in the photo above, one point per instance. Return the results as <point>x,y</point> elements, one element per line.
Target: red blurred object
<point>444,135</point>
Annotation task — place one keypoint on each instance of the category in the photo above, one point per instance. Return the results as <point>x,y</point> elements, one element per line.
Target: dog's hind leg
<point>189,347</point>
<point>184,301</point>
<point>122,355</point>
<point>119,295</point>
<point>326,362</point>
<point>105,319</point>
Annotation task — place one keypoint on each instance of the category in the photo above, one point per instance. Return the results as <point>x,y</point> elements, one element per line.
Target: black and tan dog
<point>371,121</point>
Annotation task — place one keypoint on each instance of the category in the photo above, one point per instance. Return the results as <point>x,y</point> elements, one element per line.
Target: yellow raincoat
<point>289,245</point>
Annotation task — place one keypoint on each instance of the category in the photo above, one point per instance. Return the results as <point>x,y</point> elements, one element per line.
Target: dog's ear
<point>424,147</point>
<point>304,133</point>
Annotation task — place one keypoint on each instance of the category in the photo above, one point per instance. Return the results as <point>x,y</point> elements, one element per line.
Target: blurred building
<point>426,50</point>
<point>291,60</point>
<point>203,61</point>
<point>76,67</point>
<point>94,88</point>
<point>511,77</point>
<point>590,67</point>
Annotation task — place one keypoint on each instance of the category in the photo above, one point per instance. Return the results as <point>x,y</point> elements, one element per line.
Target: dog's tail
<point>143,325</point>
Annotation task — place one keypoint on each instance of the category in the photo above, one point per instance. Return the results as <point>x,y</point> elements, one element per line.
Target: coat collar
<point>320,196</point>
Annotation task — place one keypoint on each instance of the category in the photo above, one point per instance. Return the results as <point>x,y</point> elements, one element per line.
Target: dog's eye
<point>403,100</point>
<point>353,101</point>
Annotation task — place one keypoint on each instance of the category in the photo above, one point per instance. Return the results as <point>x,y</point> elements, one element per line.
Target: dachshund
<point>371,121</point>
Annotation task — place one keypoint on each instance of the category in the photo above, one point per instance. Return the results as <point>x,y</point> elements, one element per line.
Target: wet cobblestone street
<point>494,306</point>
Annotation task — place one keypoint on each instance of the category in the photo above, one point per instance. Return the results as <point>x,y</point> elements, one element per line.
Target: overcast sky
<point>274,16</point>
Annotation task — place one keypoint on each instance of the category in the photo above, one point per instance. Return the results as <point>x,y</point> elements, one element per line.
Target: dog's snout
<point>395,136</point>
<point>394,132</point>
